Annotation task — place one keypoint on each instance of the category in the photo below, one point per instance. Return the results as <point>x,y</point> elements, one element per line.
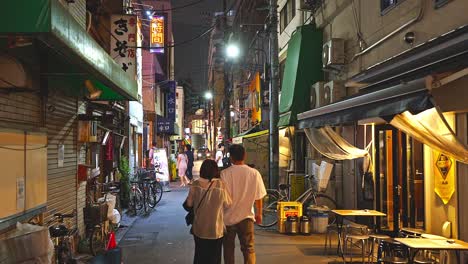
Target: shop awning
<point>303,68</point>
<point>326,141</point>
<point>74,56</point>
<point>412,96</point>
<point>431,128</point>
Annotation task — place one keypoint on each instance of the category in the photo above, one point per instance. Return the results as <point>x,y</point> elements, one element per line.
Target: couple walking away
<point>223,209</point>
<point>185,164</point>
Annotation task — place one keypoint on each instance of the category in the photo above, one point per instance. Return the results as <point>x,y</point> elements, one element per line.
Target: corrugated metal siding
<point>77,10</point>
<point>62,129</point>
<point>21,108</point>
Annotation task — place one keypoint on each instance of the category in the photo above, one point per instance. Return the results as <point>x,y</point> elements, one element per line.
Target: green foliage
<point>124,169</point>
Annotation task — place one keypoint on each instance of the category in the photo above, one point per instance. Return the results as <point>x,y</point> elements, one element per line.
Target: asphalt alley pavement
<point>162,237</point>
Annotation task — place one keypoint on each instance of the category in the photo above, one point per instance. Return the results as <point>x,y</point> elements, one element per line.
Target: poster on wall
<point>444,176</point>
<point>161,164</point>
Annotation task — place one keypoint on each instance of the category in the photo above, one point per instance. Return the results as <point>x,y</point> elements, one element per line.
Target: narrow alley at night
<point>233,131</point>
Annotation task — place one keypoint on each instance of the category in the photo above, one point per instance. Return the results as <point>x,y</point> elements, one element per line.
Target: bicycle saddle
<point>283,186</point>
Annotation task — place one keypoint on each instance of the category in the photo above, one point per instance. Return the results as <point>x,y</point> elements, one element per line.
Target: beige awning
<point>431,128</point>
<point>330,144</point>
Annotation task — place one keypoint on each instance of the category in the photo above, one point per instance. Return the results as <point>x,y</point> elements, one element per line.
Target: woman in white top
<point>219,155</point>
<point>182,162</point>
<point>208,224</point>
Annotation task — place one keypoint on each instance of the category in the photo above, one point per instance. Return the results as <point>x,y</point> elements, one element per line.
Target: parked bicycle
<point>96,217</point>
<point>309,198</point>
<point>62,237</point>
<point>146,190</point>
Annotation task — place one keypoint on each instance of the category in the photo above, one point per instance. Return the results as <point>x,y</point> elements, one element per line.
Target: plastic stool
<point>424,261</point>
<point>393,252</point>
<point>376,239</point>
<point>363,239</point>
<point>393,260</point>
<point>328,238</point>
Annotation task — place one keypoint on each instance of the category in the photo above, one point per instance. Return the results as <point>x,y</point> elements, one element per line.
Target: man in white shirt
<point>246,188</point>
<point>219,155</point>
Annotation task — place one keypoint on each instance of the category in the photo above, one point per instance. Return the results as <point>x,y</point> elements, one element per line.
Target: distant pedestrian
<point>151,155</point>
<point>182,162</point>
<point>208,198</point>
<point>246,188</point>
<point>219,155</point>
<point>188,151</point>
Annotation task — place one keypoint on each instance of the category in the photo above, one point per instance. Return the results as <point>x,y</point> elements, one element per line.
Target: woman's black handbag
<point>191,214</point>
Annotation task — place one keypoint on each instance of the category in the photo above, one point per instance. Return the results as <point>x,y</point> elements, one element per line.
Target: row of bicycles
<point>145,190</point>
<point>102,213</point>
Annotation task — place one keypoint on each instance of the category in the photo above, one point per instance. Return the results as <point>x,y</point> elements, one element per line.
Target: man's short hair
<point>154,143</point>
<point>237,152</point>
<point>220,145</point>
<point>188,147</point>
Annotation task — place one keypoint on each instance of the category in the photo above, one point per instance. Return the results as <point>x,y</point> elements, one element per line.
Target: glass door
<point>399,169</point>
<point>415,167</point>
<point>390,178</point>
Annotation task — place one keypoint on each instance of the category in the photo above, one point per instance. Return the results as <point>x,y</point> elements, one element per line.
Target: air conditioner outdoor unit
<point>322,94</point>
<point>333,53</point>
<point>334,91</point>
<point>316,95</point>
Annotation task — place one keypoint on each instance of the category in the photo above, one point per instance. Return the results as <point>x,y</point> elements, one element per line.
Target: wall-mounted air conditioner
<point>316,95</point>
<point>333,54</point>
<point>322,94</point>
<point>334,91</point>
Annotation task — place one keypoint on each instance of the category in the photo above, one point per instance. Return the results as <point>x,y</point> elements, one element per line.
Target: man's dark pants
<point>189,173</point>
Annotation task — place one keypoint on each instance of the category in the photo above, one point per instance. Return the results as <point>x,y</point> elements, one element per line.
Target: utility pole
<point>227,114</point>
<point>274,84</point>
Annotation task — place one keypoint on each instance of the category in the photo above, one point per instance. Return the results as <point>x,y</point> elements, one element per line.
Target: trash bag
<point>26,244</point>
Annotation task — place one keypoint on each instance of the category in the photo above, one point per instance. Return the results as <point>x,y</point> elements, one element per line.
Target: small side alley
<point>163,237</point>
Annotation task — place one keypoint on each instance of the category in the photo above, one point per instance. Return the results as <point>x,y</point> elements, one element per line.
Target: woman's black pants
<point>207,251</point>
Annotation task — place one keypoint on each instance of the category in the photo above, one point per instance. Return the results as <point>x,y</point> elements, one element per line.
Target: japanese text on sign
<point>124,41</point>
<point>157,34</point>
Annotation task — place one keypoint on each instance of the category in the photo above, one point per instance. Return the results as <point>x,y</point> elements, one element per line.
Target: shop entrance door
<point>399,179</point>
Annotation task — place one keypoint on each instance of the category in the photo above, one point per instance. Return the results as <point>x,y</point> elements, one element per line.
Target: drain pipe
<point>412,21</point>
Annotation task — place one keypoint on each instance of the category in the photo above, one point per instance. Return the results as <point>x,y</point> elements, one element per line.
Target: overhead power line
<point>178,43</point>
<point>179,7</point>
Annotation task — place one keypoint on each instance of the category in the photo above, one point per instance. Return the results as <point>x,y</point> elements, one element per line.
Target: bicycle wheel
<point>270,211</point>
<point>322,200</point>
<point>150,196</point>
<point>97,241</point>
<point>136,198</point>
<point>156,192</point>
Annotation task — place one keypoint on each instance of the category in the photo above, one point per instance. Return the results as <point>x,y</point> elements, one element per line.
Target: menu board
<point>161,164</point>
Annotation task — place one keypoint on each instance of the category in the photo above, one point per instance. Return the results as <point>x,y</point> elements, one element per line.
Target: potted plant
<point>124,169</point>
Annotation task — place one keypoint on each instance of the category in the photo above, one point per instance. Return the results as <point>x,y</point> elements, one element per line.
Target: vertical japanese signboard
<point>171,101</point>
<point>157,34</point>
<point>124,42</point>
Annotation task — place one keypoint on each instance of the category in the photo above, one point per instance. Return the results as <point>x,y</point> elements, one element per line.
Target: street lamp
<point>232,51</point>
<point>208,96</point>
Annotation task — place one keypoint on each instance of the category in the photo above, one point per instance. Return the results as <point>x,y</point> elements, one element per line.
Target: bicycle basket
<point>95,214</point>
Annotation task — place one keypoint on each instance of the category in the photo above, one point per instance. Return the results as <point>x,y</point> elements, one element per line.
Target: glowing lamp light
<point>208,95</point>
<point>232,51</point>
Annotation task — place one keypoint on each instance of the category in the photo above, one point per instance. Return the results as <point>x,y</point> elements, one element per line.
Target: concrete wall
<point>337,19</point>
